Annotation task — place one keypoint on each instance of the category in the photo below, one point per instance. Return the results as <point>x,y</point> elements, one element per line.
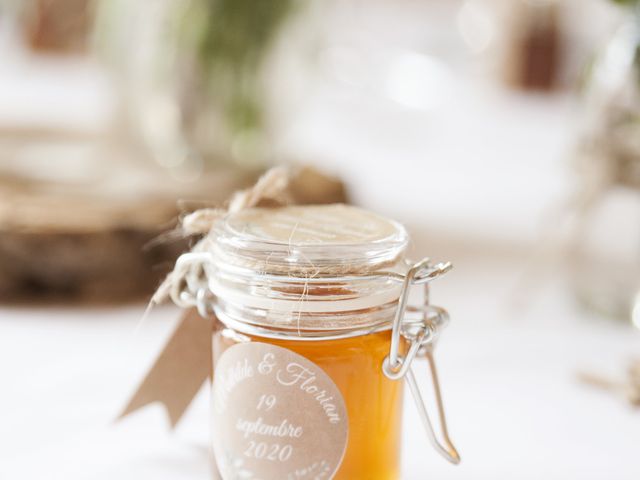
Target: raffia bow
<point>271,186</point>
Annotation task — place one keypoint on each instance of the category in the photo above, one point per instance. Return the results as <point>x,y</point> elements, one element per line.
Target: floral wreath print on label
<point>276,416</point>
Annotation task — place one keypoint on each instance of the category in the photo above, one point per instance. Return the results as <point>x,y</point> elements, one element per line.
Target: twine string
<point>271,186</point>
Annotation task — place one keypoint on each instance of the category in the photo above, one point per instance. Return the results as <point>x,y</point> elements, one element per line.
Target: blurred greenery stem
<point>627,2</point>
<point>231,39</point>
<point>635,5</point>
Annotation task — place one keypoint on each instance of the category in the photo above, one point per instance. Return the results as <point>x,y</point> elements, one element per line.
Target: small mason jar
<point>313,337</point>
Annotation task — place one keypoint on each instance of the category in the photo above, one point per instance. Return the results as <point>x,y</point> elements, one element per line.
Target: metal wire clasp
<point>420,333</point>
<point>192,289</point>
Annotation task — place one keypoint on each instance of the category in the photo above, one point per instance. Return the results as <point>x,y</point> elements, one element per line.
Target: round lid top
<point>317,240</point>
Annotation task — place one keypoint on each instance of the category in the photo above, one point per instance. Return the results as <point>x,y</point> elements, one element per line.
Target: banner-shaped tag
<point>180,370</point>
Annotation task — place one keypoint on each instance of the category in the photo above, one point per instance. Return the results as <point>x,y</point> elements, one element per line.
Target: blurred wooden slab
<point>86,241</point>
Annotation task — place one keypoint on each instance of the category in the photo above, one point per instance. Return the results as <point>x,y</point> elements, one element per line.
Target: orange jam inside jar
<point>306,301</point>
<point>374,403</point>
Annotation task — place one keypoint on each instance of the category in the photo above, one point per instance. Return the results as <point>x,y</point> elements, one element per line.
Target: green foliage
<point>627,2</point>
<point>232,38</point>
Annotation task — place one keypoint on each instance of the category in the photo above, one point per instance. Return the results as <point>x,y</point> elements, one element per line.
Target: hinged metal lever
<point>427,272</point>
<point>448,450</point>
<point>418,335</point>
<point>421,335</point>
<point>420,273</point>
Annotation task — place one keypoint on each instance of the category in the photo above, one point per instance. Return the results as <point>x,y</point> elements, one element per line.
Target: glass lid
<point>316,240</point>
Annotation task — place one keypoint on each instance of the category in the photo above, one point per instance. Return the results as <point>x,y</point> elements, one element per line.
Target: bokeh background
<point>505,134</point>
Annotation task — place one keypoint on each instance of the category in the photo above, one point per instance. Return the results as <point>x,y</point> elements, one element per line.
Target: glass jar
<point>313,336</point>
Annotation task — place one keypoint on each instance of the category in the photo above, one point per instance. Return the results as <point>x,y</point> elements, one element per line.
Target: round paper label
<point>276,416</point>
<point>315,225</point>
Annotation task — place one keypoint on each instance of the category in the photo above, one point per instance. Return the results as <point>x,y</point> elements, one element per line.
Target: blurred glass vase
<point>193,75</point>
<point>606,248</point>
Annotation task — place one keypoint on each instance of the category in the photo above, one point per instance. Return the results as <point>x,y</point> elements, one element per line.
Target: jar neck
<point>304,325</point>
<point>281,305</point>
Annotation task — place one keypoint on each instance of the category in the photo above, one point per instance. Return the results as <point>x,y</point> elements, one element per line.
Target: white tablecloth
<point>514,405</point>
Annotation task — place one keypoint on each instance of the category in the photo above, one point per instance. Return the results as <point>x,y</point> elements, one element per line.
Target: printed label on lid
<point>276,416</point>
<point>314,225</point>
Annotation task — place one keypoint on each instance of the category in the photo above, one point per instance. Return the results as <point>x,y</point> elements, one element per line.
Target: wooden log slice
<point>86,243</point>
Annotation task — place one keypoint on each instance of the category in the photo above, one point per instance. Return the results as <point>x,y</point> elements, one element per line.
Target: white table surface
<point>515,408</point>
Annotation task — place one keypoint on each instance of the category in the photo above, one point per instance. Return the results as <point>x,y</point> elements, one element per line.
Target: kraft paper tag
<point>180,370</point>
